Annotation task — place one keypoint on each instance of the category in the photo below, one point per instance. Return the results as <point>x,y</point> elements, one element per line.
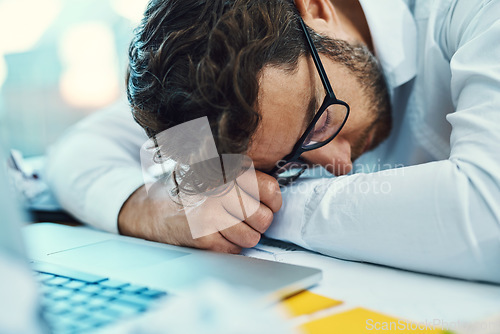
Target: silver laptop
<point>91,278</point>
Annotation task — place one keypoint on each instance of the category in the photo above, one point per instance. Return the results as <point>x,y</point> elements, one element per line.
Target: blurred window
<point>60,60</point>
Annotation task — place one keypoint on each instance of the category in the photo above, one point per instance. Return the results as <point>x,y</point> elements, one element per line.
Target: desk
<point>398,293</point>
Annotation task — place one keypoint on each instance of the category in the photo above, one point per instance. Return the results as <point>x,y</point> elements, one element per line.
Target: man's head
<point>246,66</point>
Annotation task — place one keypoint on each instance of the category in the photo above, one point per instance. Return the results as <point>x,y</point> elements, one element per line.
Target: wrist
<point>129,214</point>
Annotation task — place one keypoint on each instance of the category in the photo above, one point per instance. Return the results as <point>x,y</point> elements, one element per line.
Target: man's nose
<point>335,157</point>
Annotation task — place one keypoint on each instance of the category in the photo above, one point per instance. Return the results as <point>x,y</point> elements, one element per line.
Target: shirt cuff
<point>288,223</point>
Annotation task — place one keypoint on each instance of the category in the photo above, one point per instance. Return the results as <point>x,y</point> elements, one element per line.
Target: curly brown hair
<point>194,58</point>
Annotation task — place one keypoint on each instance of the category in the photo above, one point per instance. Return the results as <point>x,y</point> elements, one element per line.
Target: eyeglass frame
<point>330,99</point>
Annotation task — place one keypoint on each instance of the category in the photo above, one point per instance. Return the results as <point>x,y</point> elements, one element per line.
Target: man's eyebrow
<point>312,107</point>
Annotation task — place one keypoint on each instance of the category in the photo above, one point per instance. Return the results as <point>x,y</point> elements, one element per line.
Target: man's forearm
<point>427,218</point>
<point>95,167</point>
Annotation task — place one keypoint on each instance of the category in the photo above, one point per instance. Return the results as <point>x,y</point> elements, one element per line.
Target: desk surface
<point>397,293</point>
<point>401,294</point>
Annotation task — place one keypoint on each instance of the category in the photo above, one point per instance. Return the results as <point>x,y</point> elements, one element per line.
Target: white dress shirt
<point>427,199</point>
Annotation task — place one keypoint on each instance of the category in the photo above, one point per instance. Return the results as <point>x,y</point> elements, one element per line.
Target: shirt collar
<point>394,36</point>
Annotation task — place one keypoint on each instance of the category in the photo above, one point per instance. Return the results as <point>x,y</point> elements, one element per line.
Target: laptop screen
<point>11,215</point>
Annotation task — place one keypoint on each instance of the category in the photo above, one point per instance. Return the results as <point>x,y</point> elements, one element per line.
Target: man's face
<point>288,100</point>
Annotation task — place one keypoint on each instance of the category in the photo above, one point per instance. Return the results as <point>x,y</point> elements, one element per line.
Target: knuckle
<point>220,247</point>
<point>233,250</point>
<point>217,243</point>
<point>227,247</point>
<point>263,219</point>
<point>268,218</point>
<point>271,187</point>
<point>205,243</point>
<point>252,239</point>
<point>271,195</point>
<point>211,242</point>
<point>278,203</point>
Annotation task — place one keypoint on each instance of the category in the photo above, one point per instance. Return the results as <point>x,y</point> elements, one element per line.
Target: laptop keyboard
<point>76,302</point>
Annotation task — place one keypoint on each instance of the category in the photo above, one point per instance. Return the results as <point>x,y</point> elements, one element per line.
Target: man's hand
<point>155,216</point>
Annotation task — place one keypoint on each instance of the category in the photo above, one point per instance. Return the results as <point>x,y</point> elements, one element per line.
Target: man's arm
<point>428,218</point>
<point>95,166</point>
<point>95,173</point>
<point>441,217</point>
<point>154,216</point>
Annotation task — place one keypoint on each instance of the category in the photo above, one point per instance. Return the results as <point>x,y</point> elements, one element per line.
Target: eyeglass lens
<point>327,126</point>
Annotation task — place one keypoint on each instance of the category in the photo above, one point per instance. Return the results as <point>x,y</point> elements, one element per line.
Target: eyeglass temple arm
<point>317,60</point>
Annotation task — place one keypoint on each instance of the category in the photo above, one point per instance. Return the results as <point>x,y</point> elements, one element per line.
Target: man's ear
<point>318,14</point>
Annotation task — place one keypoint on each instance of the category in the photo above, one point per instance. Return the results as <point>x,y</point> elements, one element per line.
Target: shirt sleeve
<point>95,167</point>
<point>441,217</point>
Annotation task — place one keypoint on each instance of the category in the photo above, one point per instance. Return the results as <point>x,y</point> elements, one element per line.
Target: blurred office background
<point>60,60</point>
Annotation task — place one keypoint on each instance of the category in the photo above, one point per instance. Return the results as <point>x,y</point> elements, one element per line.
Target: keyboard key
<point>82,327</point>
<point>56,311</point>
<point>44,276</point>
<point>91,289</point>
<point>58,307</point>
<point>109,293</point>
<point>50,268</point>
<point>134,300</point>
<point>102,317</point>
<point>111,283</point>
<point>151,293</point>
<point>47,289</point>
<point>74,317</point>
<point>61,325</point>
<point>75,284</point>
<point>80,309</point>
<point>79,298</point>
<point>123,309</point>
<point>61,293</point>
<point>96,302</point>
<point>57,281</point>
<point>111,313</point>
<point>134,288</point>
<point>90,324</point>
<point>97,320</point>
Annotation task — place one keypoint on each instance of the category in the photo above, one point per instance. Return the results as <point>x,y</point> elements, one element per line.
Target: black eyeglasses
<point>326,124</point>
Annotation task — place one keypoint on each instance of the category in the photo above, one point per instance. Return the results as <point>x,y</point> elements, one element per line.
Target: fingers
<point>238,203</point>
<point>220,231</point>
<point>261,219</point>
<point>269,191</point>
<point>241,235</point>
<point>246,209</point>
<point>228,214</point>
<point>218,243</point>
<point>265,190</point>
<point>224,223</point>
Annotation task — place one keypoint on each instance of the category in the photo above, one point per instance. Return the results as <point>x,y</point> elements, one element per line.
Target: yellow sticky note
<point>307,302</point>
<point>360,321</point>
